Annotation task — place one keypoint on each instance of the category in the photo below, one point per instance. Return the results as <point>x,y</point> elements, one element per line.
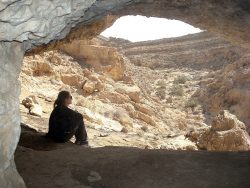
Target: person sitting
<point>64,122</point>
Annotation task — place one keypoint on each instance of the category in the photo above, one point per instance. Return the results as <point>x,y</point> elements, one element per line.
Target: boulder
<point>114,97</point>
<point>36,110</point>
<point>123,118</point>
<point>143,108</point>
<point>41,68</point>
<point>146,118</point>
<point>89,87</point>
<point>33,106</point>
<point>227,133</point>
<point>132,91</point>
<point>71,79</point>
<point>225,121</point>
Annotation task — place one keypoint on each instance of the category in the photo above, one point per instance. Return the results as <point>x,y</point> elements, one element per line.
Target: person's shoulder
<point>69,110</point>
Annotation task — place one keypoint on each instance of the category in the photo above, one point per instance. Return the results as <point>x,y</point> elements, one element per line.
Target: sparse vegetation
<point>144,128</point>
<point>169,99</point>
<point>191,103</point>
<point>177,90</point>
<point>161,83</point>
<point>161,92</point>
<point>180,79</point>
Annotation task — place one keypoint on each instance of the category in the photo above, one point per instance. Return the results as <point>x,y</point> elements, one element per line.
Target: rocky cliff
<point>201,51</point>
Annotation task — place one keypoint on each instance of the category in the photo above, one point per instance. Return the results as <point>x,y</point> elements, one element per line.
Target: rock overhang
<point>41,22</point>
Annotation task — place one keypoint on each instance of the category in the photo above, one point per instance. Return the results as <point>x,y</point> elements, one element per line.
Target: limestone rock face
<point>132,91</point>
<point>71,79</point>
<point>227,133</point>
<point>102,59</point>
<point>37,68</point>
<point>39,22</point>
<point>11,56</point>
<point>228,89</point>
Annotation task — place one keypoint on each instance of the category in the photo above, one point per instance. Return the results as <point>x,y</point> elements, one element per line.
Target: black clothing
<point>64,123</point>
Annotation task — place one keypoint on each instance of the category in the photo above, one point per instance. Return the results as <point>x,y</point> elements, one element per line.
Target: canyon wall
<point>225,87</point>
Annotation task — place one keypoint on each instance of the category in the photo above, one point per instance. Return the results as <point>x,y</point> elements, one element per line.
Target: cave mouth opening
<point>47,72</point>
<point>141,28</point>
<point>167,70</point>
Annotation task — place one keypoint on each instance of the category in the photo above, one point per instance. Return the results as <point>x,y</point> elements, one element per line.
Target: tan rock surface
<point>228,89</point>
<point>227,133</point>
<point>101,58</point>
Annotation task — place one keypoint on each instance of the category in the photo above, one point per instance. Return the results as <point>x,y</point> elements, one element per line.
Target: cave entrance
<point>142,93</point>
<point>141,28</point>
<point>127,92</point>
<point>139,83</point>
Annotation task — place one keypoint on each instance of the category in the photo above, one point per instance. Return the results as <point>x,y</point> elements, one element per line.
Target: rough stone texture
<point>228,88</point>
<point>39,22</point>
<point>11,56</point>
<point>227,133</point>
<point>195,51</point>
<point>101,58</point>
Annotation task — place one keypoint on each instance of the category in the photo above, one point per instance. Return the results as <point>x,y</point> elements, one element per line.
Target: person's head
<point>63,99</point>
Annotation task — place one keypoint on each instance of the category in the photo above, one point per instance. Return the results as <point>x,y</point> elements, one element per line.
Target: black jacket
<point>62,122</point>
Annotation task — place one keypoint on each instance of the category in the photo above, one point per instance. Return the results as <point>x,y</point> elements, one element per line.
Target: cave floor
<point>122,167</point>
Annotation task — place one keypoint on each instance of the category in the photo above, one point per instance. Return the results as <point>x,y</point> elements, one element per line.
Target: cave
<point>30,27</point>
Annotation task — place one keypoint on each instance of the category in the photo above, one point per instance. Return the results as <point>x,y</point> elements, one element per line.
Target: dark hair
<point>62,96</point>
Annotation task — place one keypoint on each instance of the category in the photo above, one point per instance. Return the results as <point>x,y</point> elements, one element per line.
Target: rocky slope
<point>115,111</point>
<point>201,51</point>
<point>228,88</point>
<point>124,102</point>
<point>221,68</point>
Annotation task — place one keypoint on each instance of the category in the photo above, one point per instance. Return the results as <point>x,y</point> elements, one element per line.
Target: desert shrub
<point>180,79</point>
<point>161,83</point>
<point>177,90</point>
<point>144,128</point>
<point>161,92</point>
<point>169,99</point>
<point>155,65</point>
<point>191,103</point>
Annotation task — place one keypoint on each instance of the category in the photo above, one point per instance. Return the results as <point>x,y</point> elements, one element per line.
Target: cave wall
<point>34,23</point>
<point>11,56</point>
